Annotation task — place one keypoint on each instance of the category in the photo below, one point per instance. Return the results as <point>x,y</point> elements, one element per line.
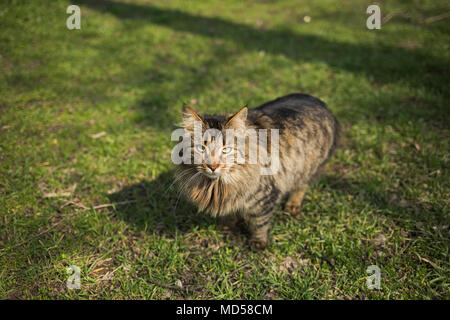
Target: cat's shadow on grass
<point>156,206</point>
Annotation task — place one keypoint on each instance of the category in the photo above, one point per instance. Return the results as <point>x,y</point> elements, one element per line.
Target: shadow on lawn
<point>379,63</point>
<point>384,64</point>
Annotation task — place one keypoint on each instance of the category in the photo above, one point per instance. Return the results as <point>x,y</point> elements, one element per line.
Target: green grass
<point>382,200</point>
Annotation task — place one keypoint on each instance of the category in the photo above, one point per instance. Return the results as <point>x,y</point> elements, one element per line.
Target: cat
<point>307,137</point>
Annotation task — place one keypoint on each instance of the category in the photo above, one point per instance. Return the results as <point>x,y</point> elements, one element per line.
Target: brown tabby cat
<point>307,137</point>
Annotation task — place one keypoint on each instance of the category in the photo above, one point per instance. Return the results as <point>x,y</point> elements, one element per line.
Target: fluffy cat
<point>307,136</point>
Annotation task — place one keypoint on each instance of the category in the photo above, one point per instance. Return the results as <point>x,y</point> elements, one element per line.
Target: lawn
<point>85,170</point>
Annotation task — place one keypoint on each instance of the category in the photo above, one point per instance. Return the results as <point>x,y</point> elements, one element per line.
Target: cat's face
<point>213,155</point>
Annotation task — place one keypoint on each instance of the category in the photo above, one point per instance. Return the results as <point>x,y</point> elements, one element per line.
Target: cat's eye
<point>227,150</point>
<point>200,148</point>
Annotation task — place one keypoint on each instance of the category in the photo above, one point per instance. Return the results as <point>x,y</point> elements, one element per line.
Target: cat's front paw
<point>257,244</point>
<point>293,208</point>
<point>295,201</point>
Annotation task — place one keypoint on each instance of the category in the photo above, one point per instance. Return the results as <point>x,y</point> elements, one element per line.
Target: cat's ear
<point>237,121</point>
<point>189,117</point>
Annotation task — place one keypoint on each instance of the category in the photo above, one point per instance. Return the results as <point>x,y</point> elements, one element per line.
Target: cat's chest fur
<point>220,198</point>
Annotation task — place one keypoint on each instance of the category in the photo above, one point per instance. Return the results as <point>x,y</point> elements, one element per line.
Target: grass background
<point>382,200</point>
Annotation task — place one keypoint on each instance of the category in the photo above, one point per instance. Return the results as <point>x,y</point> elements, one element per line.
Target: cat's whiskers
<point>186,183</point>
<point>182,189</point>
<point>180,176</point>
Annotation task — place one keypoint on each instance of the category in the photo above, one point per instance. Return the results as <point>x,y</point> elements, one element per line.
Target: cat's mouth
<point>212,176</point>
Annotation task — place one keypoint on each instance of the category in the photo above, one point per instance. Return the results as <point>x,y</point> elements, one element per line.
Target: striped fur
<point>308,134</point>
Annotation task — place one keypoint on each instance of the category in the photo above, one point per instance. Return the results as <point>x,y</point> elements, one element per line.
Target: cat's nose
<point>212,166</point>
